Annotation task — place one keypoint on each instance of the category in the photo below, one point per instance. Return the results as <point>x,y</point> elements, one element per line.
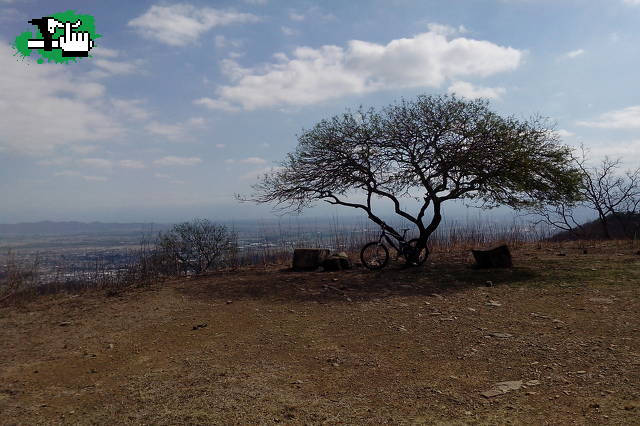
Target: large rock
<point>308,259</point>
<point>498,257</point>
<point>337,262</point>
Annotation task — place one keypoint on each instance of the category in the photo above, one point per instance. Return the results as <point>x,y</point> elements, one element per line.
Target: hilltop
<point>620,225</point>
<point>402,346</point>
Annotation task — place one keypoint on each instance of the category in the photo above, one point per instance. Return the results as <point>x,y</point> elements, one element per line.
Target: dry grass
<point>401,346</point>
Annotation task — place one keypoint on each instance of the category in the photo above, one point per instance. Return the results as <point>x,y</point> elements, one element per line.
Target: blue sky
<point>184,104</point>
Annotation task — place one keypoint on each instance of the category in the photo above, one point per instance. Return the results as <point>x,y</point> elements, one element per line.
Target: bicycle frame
<point>403,247</point>
<point>401,240</point>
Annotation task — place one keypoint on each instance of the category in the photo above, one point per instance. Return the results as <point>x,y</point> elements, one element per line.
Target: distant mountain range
<point>61,228</point>
<point>76,228</point>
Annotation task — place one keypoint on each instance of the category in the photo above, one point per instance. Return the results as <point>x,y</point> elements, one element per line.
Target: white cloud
<point>104,59</point>
<point>115,67</point>
<point>575,53</point>
<point>256,2</point>
<point>253,160</point>
<point>177,161</point>
<point>177,132</point>
<point>131,164</point>
<point>44,106</point>
<point>287,31</point>
<point>83,149</point>
<point>564,133</point>
<point>220,41</point>
<point>468,90</point>
<point>95,178</point>
<point>56,161</point>
<point>182,24</point>
<point>174,132</point>
<point>131,108</point>
<point>196,121</point>
<point>256,174</point>
<point>296,16</point>
<point>100,163</point>
<point>220,145</point>
<point>627,118</point>
<point>104,52</point>
<point>628,151</point>
<point>162,176</point>
<point>67,173</point>
<point>216,104</point>
<point>315,75</point>
<point>446,30</point>
<point>631,2</point>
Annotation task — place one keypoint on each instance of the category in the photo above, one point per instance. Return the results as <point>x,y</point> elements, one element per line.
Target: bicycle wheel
<point>422,256</point>
<point>374,255</point>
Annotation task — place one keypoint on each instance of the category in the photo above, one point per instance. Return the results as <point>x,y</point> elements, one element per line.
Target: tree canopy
<point>440,147</point>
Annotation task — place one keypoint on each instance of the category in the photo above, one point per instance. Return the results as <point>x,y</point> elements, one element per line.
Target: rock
<point>337,262</point>
<point>491,393</point>
<point>498,257</point>
<point>533,383</point>
<point>501,335</point>
<point>65,323</point>
<point>308,259</point>
<point>489,283</point>
<point>509,386</point>
<point>501,388</point>
<point>493,303</point>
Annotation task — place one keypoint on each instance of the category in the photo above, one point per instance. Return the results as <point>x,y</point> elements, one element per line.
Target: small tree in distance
<point>196,246</point>
<point>435,149</point>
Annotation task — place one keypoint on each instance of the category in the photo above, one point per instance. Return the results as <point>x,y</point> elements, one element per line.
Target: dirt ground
<point>403,346</point>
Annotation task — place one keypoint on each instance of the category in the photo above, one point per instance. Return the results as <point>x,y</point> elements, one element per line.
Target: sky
<point>184,104</point>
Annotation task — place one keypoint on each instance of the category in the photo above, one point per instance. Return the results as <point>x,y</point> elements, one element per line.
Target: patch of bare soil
<point>552,341</point>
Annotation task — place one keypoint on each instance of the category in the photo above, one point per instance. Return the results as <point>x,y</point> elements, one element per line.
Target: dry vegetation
<point>402,346</point>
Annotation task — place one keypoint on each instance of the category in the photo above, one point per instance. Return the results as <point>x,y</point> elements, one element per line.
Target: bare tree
<point>438,148</point>
<point>610,194</point>
<point>197,246</point>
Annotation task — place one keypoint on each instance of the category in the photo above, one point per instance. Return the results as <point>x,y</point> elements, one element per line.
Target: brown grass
<point>401,346</point>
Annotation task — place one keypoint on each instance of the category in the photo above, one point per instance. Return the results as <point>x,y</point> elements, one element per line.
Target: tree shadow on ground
<point>357,284</point>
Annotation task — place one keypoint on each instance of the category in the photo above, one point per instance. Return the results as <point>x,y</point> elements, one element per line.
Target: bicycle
<point>375,255</point>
